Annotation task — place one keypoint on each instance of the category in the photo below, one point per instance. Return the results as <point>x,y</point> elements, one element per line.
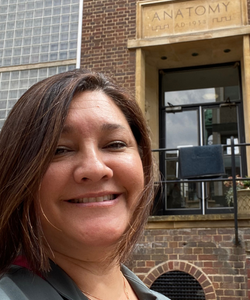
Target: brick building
<point>188,63</point>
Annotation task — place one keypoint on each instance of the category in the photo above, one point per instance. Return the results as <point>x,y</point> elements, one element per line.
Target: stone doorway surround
<point>174,34</point>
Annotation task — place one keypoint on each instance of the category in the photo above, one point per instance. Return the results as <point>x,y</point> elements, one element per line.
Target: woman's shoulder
<point>21,284</point>
<point>141,290</point>
<point>9,290</point>
<point>9,285</point>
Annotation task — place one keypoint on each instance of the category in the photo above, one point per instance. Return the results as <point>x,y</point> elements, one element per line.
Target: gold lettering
<point>179,13</point>
<point>156,28</point>
<point>170,16</point>
<point>226,18</point>
<point>156,16</point>
<point>226,5</point>
<point>218,20</point>
<point>180,25</point>
<point>217,7</point>
<point>200,10</point>
<point>189,8</point>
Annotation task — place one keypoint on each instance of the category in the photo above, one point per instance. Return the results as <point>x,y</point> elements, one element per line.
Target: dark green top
<point>21,284</point>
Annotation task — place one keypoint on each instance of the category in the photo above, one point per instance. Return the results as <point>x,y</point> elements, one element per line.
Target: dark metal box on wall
<point>201,161</point>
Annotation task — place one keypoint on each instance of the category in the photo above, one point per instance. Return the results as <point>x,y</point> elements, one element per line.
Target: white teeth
<point>92,199</point>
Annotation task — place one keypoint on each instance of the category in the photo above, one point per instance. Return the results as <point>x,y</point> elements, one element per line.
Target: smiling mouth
<point>93,199</point>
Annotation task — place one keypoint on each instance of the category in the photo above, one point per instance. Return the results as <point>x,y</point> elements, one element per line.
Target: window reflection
<point>182,129</point>
<point>202,96</point>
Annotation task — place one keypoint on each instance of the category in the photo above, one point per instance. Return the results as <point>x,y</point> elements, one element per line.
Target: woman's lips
<point>94,199</point>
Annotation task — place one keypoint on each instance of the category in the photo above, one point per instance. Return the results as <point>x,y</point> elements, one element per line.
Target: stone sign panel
<point>164,18</point>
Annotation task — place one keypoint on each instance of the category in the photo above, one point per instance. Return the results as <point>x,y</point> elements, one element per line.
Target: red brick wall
<point>209,255</point>
<point>107,25</point>
<point>248,276</point>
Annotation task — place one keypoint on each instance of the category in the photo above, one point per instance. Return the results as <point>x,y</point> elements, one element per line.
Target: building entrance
<point>198,107</point>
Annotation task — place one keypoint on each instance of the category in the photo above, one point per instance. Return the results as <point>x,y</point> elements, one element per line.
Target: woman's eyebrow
<point>67,129</point>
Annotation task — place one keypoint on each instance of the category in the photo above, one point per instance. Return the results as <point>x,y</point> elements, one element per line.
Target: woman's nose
<point>91,167</point>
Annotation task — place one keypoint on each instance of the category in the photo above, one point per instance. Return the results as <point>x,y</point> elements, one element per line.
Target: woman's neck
<point>96,279</point>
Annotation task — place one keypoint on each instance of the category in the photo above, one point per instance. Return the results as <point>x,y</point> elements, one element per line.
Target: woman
<point>76,187</point>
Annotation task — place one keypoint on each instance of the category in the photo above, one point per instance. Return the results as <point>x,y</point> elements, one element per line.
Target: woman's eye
<point>61,151</point>
<point>116,145</point>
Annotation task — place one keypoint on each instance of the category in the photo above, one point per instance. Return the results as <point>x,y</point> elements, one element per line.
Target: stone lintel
<point>198,221</point>
<point>190,37</point>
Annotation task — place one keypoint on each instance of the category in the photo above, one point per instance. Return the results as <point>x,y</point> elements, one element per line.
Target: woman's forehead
<point>91,99</point>
<point>93,107</point>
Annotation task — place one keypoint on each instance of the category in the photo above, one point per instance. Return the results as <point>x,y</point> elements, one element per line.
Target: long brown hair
<point>28,141</point>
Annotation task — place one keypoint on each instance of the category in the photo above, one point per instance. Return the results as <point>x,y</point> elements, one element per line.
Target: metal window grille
<point>178,285</point>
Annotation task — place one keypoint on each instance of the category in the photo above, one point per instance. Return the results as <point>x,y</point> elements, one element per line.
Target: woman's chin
<point>105,237</point>
<point>93,243</point>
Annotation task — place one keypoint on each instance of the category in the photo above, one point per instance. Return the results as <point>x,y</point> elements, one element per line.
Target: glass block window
<point>14,84</point>
<point>37,31</point>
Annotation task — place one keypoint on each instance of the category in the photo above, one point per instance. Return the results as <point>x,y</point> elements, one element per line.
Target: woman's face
<point>90,189</point>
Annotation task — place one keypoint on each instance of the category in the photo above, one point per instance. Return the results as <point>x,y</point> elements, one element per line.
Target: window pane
<point>182,129</point>
<point>201,85</point>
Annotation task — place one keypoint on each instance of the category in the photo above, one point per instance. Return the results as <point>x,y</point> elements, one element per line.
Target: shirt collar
<point>141,290</point>
<point>64,285</point>
<point>67,288</point>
